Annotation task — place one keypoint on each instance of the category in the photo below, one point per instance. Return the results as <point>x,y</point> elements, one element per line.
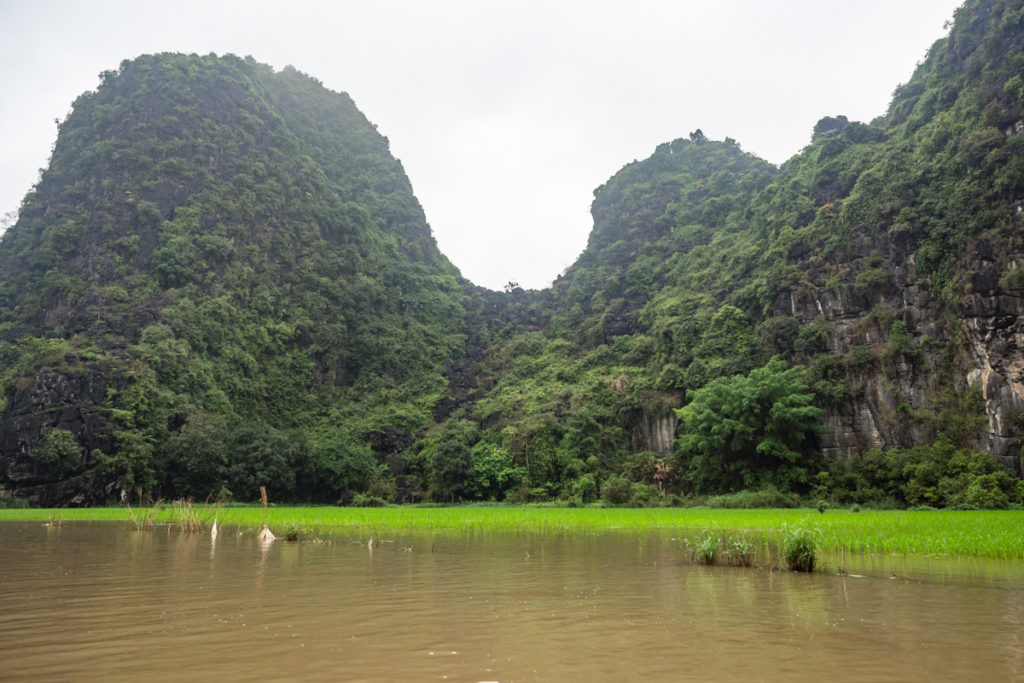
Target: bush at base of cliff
<point>617,490</point>
<point>769,497</point>
<point>936,475</point>
<point>11,501</point>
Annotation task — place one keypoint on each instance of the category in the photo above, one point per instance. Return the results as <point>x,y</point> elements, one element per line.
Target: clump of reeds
<point>798,547</point>
<point>186,516</point>
<point>142,517</point>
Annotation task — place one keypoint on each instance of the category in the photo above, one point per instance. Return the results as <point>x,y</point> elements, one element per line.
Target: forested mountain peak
<point>217,245</point>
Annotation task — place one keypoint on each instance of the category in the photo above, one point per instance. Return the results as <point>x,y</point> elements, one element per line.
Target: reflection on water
<point>99,602</point>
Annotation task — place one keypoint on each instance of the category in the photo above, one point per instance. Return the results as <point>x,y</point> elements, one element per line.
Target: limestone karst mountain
<point>223,280</point>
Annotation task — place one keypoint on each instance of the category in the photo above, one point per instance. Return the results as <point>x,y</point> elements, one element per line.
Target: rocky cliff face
<point>69,401</point>
<point>903,346</point>
<point>654,433</point>
<point>993,322</point>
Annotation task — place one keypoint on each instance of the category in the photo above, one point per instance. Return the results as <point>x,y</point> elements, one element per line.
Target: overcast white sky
<point>506,115</point>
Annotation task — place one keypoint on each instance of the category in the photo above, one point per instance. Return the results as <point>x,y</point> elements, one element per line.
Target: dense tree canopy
<point>748,431</point>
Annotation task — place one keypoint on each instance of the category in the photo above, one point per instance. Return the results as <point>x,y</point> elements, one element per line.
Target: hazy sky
<point>506,115</point>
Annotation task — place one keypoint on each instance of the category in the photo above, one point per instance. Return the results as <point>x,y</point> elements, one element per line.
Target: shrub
<point>617,490</point>
<point>645,495</point>
<point>366,500</point>
<point>985,492</point>
<point>9,500</point>
<point>769,497</point>
<point>585,489</point>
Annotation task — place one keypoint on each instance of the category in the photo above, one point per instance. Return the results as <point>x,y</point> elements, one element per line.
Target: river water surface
<point>98,601</point>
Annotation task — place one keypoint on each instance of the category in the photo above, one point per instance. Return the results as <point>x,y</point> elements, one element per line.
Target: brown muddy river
<point>97,601</point>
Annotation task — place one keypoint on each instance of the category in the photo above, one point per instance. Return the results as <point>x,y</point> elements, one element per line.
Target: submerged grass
<point>967,533</point>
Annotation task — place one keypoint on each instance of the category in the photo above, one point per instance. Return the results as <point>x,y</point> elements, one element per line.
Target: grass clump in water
<point>798,547</point>
<point>741,551</point>
<point>142,516</point>
<point>192,518</point>
<point>713,549</point>
<point>706,551</point>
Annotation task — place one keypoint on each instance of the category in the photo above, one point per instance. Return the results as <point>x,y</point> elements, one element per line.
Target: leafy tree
<point>259,456</point>
<point>746,431</point>
<point>494,472</point>
<point>452,471</point>
<point>451,461</point>
<point>197,455</point>
<point>344,465</point>
<point>57,453</point>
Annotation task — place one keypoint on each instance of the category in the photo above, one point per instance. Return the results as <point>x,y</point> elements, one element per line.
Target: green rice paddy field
<point>942,533</point>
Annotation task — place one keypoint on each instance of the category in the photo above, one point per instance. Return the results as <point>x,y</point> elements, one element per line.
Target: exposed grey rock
<point>71,400</point>
<point>655,433</point>
<point>987,347</point>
